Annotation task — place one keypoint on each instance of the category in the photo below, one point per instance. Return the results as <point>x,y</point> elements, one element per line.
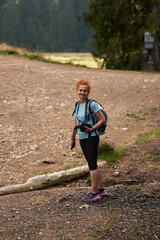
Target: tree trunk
<point>44,181</point>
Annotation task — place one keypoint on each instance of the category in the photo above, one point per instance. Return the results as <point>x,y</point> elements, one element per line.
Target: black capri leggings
<point>90,150</point>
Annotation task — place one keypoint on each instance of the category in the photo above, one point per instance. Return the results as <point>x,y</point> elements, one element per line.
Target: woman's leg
<point>90,150</point>
<point>95,180</point>
<point>99,180</point>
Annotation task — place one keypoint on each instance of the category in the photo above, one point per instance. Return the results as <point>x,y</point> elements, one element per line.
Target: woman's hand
<point>88,129</point>
<point>101,120</point>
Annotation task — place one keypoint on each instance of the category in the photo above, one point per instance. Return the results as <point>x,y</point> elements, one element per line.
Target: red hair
<point>83,82</point>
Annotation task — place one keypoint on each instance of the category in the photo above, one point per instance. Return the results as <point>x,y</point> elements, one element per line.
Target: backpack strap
<point>91,113</point>
<point>75,107</point>
<point>89,107</point>
<point>87,104</point>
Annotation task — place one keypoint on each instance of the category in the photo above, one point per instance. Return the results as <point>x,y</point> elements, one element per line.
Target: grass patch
<point>107,229</point>
<point>60,235</point>
<point>109,154</point>
<point>116,209</point>
<point>79,153</point>
<point>67,167</point>
<point>75,163</point>
<point>81,59</point>
<point>99,230</point>
<point>88,180</point>
<point>155,133</point>
<point>46,171</point>
<point>94,235</point>
<point>133,115</point>
<point>138,188</point>
<point>75,59</point>
<point>154,111</point>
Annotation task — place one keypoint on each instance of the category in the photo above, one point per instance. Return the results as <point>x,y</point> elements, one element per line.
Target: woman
<point>89,137</point>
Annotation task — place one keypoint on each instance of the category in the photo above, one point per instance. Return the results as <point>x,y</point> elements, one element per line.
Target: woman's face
<point>83,92</point>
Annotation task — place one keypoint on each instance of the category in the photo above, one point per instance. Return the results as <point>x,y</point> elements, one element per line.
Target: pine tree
<point>48,25</point>
<point>118,30</point>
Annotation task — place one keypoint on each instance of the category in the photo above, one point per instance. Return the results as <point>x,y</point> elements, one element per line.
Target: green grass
<point>133,115</point>
<point>35,56</point>
<point>9,52</point>
<point>67,167</point>
<point>139,115</point>
<point>79,153</point>
<point>75,59</point>
<point>109,154</point>
<point>60,235</point>
<point>75,163</point>
<point>88,180</point>
<point>116,209</point>
<point>79,59</point>
<point>138,188</point>
<point>99,230</point>
<point>107,229</point>
<point>155,133</point>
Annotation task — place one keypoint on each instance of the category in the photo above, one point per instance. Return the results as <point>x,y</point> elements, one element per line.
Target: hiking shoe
<point>102,192</point>
<point>91,197</point>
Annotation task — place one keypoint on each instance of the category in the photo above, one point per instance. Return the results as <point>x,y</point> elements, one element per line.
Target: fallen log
<point>47,180</point>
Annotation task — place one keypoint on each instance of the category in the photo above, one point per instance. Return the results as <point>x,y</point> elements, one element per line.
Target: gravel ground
<point>127,212</point>
<point>36,103</point>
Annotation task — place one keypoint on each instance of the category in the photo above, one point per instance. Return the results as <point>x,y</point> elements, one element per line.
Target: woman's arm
<point>74,132</point>
<point>101,120</point>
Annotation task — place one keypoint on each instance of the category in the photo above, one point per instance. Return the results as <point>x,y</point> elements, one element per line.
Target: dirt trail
<point>36,104</point>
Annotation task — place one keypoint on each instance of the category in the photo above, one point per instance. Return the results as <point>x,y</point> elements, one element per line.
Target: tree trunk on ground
<point>48,180</point>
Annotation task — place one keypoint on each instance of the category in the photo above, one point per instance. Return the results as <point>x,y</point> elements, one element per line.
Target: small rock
<point>73,153</point>
<point>63,105</point>
<point>116,174</point>
<point>63,199</point>
<point>49,107</point>
<point>84,206</point>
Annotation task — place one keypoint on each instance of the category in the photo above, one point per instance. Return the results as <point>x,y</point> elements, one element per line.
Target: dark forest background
<point>46,25</point>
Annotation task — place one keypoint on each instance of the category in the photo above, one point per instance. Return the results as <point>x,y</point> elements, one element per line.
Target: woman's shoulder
<point>95,106</point>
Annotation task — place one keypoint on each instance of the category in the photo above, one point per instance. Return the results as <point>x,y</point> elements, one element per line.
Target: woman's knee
<point>92,166</point>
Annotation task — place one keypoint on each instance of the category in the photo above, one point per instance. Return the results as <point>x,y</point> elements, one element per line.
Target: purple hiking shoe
<point>102,192</point>
<point>91,197</point>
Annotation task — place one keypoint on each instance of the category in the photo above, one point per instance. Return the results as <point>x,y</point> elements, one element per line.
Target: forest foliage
<point>112,30</point>
<point>119,27</point>
<point>49,25</point>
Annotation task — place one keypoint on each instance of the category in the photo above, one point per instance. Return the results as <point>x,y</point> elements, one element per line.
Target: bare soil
<point>36,104</point>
